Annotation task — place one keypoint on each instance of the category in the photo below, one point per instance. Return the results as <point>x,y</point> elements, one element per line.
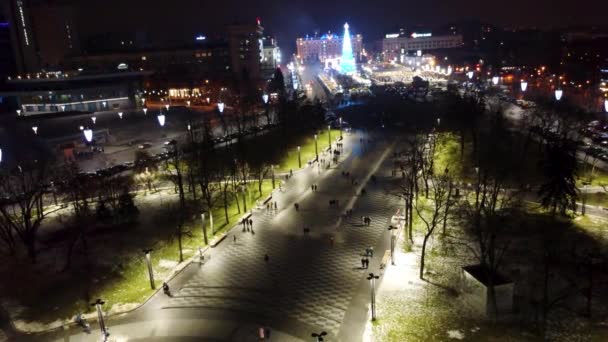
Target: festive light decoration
<point>347,63</point>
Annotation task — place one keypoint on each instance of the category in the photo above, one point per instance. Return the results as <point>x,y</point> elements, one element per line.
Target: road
<point>308,285</point>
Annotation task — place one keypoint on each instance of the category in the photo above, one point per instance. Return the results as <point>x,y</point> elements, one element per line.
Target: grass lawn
<point>307,149</point>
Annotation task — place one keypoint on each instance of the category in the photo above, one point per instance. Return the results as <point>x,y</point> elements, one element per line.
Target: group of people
<point>272,206</point>
<point>364,262</point>
<point>313,188</point>
<point>366,220</point>
<point>248,225</point>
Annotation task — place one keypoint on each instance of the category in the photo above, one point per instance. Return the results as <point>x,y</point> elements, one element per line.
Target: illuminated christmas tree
<point>347,63</point>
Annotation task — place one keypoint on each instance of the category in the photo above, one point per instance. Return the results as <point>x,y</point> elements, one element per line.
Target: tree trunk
<point>426,237</point>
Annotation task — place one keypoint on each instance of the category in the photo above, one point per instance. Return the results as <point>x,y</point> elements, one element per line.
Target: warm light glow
<point>81,128</point>
<point>495,80</point>
<point>161,120</point>
<point>524,85</point>
<point>220,107</point>
<point>88,134</point>
<point>167,106</point>
<point>558,94</point>
<point>188,103</point>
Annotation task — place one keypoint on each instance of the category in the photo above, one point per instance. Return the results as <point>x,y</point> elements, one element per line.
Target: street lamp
<point>319,336</point>
<point>120,115</point>
<point>438,121</point>
<point>265,98</point>
<point>18,112</point>
<point>188,103</point>
<point>524,86</point>
<point>329,135</point>
<point>316,148</point>
<point>273,179</point>
<point>88,134</point>
<point>149,263</point>
<point>393,238</point>
<point>558,94</point>
<point>35,129</point>
<point>220,107</point>
<point>167,106</point>
<point>495,80</point>
<point>470,75</point>
<point>161,119</point>
<point>102,325</point>
<point>0,155</point>
<point>340,127</point>
<point>81,128</point>
<point>94,119</point>
<point>606,105</point>
<point>145,111</point>
<point>372,281</point>
<point>299,158</point>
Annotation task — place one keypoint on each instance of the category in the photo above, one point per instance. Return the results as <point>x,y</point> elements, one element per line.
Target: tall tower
<point>347,63</point>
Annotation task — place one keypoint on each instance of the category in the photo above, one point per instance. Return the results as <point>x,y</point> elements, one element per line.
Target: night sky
<point>288,19</point>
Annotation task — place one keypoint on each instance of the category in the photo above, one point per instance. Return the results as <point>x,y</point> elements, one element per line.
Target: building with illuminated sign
<point>42,33</point>
<point>395,45</point>
<point>326,47</point>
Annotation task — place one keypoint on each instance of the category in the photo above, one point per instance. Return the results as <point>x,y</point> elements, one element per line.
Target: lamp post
<point>606,105</point>
<point>167,107</point>
<point>319,336</point>
<point>299,158</point>
<point>391,230</point>
<point>94,119</point>
<point>220,107</point>
<point>524,86</point>
<point>0,155</point>
<point>102,325</point>
<point>149,263</point>
<point>495,80</point>
<point>340,128</point>
<point>35,129</point>
<point>329,135</point>
<point>265,98</point>
<point>470,75</point>
<point>18,112</point>
<point>558,94</point>
<point>120,115</point>
<point>372,281</point>
<point>272,170</point>
<point>316,147</point>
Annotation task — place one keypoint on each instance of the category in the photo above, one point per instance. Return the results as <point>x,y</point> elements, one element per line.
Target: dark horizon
<point>286,22</point>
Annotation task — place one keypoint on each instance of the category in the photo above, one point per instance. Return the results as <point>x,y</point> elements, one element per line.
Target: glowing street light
<point>120,115</point>
<point>606,105</point>
<point>18,112</point>
<point>81,128</point>
<point>0,155</point>
<point>94,119</point>
<point>88,134</point>
<point>161,119</point>
<point>558,94</point>
<point>316,148</point>
<point>470,75</point>
<point>143,101</point>
<point>102,324</point>
<point>208,100</point>
<point>167,106</point>
<point>145,111</point>
<point>495,80</point>
<point>35,129</point>
<point>189,127</point>
<point>265,98</point>
<point>62,108</point>
<point>524,85</point>
<point>220,107</point>
<point>188,103</point>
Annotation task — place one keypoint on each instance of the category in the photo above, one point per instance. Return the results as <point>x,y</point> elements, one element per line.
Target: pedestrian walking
<point>234,239</point>
<point>275,206</point>
<point>251,223</point>
<point>362,262</point>
<point>297,206</point>
<point>312,187</point>
<point>316,188</point>
<point>290,173</point>
<point>366,263</point>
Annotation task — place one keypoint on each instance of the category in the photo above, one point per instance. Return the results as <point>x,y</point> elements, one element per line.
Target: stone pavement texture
<point>312,281</point>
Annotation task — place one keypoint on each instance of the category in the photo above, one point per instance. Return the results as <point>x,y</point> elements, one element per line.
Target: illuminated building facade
<point>395,45</point>
<point>326,47</point>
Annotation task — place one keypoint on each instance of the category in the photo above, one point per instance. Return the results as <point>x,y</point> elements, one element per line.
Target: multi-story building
<point>246,49</point>
<point>396,45</point>
<point>42,33</point>
<point>325,47</point>
<point>272,56</point>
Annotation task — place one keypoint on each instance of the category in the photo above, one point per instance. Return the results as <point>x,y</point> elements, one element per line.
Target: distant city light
<point>220,107</point>
<point>200,37</point>
<point>495,80</point>
<point>470,74</point>
<point>558,94</point>
<point>0,155</point>
<point>265,98</point>
<point>120,115</point>
<point>161,120</point>
<point>94,119</point>
<point>18,112</point>
<point>145,111</point>
<point>81,128</point>
<point>419,53</point>
<point>167,106</point>
<point>524,85</point>
<point>606,105</point>
<point>392,35</point>
<point>35,129</point>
